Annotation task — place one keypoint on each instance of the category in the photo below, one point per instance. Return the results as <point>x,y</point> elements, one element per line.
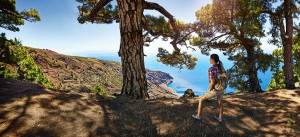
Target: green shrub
<point>278,78</point>
<point>26,68</point>
<point>99,89</point>
<point>5,73</point>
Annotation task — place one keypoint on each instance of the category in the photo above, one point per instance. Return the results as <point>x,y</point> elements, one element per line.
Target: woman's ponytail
<point>215,57</point>
<point>220,66</point>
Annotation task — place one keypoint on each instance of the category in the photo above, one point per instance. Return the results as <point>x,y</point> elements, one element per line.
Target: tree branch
<point>15,15</point>
<point>269,12</point>
<point>218,37</point>
<point>157,7</point>
<point>296,28</point>
<point>94,11</point>
<point>145,26</point>
<point>184,37</point>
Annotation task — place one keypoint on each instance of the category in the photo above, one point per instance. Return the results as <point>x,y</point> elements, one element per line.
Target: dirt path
<point>30,110</point>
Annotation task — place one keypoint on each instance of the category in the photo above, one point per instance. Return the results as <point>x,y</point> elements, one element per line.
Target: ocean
<point>195,79</point>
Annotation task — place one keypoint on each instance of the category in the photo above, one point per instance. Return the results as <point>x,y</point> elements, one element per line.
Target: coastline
<point>165,87</point>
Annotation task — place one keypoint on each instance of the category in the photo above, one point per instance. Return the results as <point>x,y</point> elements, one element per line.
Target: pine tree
<point>235,27</point>
<point>137,30</point>
<point>278,80</point>
<point>286,11</point>
<point>10,18</point>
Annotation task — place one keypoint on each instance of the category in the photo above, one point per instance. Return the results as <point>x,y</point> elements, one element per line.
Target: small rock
<point>188,93</point>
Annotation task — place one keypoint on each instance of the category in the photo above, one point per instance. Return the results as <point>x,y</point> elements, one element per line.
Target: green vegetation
<point>151,27</point>
<point>10,18</point>
<point>282,31</point>
<point>236,31</point>
<point>98,89</point>
<point>156,27</point>
<point>278,78</point>
<point>6,73</point>
<point>15,62</point>
<point>22,64</point>
<point>234,27</point>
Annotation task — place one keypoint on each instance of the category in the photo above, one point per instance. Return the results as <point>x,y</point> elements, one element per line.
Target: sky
<point>60,31</point>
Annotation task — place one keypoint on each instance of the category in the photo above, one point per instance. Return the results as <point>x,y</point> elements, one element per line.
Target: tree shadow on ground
<point>41,112</point>
<point>30,110</point>
<point>245,115</point>
<point>262,114</point>
<point>17,117</point>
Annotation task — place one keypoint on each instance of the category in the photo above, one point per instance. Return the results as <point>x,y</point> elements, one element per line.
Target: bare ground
<point>30,110</point>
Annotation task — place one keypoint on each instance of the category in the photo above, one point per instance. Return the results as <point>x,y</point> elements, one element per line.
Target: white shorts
<point>214,93</point>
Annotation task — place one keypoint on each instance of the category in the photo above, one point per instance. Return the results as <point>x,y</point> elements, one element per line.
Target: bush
<point>26,69</point>
<point>99,89</point>
<point>6,73</point>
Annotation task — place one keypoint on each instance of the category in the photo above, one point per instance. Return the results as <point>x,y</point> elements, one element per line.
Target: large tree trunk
<point>287,40</point>
<point>252,73</point>
<point>131,48</point>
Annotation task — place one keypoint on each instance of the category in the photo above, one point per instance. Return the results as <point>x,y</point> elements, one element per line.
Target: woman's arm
<point>211,84</point>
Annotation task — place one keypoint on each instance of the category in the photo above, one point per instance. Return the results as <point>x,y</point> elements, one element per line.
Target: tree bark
<point>252,73</point>
<point>287,40</point>
<point>131,48</point>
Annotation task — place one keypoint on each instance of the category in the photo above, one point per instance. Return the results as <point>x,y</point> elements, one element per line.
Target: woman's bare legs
<point>220,103</point>
<point>200,106</point>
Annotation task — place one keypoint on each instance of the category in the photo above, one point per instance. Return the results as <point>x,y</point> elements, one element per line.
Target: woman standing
<point>217,67</point>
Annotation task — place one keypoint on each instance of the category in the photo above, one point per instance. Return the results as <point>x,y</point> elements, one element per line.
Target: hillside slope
<point>80,74</point>
<point>31,110</point>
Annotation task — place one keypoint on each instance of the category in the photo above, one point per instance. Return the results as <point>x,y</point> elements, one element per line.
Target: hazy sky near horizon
<point>60,31</point>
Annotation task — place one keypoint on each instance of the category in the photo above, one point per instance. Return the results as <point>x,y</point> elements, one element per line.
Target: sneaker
<point>196,117</point>
<point>219,121</point>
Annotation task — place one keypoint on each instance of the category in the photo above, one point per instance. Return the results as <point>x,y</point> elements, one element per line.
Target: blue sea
<point>196,79</point>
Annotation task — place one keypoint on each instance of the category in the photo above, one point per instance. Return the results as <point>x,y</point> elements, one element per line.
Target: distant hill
<point>80,74</point>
